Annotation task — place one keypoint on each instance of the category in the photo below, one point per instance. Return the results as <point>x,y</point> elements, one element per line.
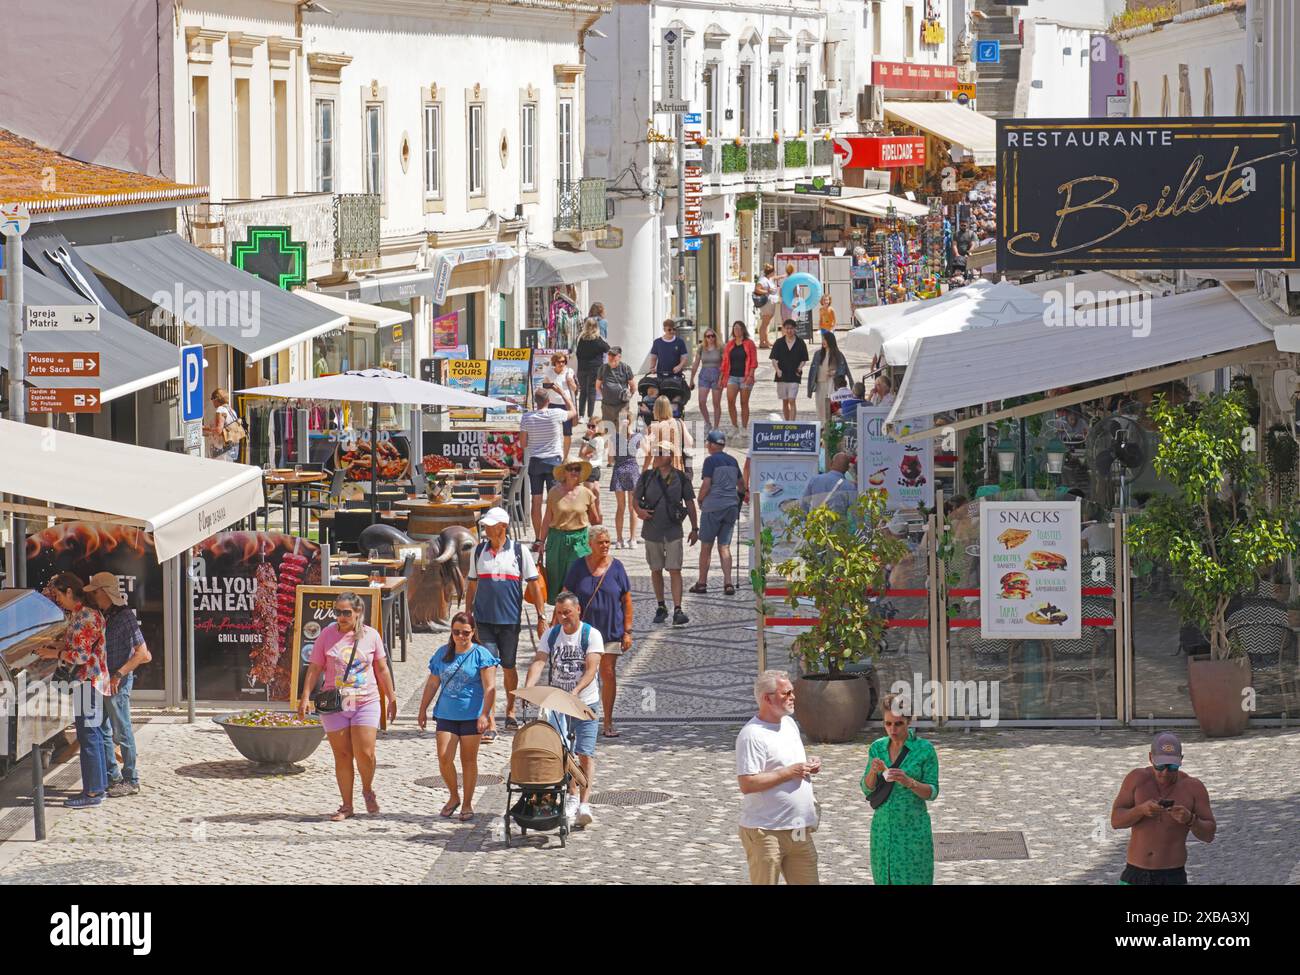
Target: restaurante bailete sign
<point>1147,193</point>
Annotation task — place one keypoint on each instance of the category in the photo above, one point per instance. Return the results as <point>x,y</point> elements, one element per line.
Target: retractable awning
<point>180,499</point>
<point>130,358</point>
<point>228,305</point>
<point>1185,334</point>
<point>357,312</point>
<point>876,205</point>
<point>548,267</point>
<point>975,133</point>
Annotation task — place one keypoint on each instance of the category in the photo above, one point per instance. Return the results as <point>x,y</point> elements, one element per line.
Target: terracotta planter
<point>832,710</point>
<point>1216,688</point>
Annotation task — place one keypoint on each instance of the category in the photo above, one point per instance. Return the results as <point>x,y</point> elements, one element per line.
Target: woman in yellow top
<point>826,314</point>
<point>664,429</point>
<point>571,508</point>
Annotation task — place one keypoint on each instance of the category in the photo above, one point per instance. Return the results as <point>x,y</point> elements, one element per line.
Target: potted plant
<point>840,560</point>
<point>273,737</point>
<point>1215,533</point>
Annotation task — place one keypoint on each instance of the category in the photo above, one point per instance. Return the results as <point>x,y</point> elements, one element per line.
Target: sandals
<point>372,803</point>
<point>467,815</point>
<point>698,588</point>
<point>728,590</point>
<point>343,812</point>
<point>610,732</point>
<point>489,736</point>
<point>511,724</point>
<point>448,809</point>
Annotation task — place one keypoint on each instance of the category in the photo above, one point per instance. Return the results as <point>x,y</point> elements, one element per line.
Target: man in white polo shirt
<point>778,813</point>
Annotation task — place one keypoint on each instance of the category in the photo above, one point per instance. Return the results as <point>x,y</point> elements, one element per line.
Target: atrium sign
<point>1147,193</point>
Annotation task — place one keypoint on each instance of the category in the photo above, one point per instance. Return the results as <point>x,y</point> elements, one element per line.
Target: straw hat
<point>560,468</point>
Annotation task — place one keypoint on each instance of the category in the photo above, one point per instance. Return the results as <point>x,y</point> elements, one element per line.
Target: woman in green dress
<point>571,508</point>
<point>902,846</point>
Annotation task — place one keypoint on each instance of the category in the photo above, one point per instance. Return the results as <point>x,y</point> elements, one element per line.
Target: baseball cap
<point>716,436</point>
<point>1166,749</point>
<point>494,516</point>
<point>107,583</point>
<point>616,350</point>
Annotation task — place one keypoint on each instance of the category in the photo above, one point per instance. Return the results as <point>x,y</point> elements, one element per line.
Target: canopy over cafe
<point>1042,394</point>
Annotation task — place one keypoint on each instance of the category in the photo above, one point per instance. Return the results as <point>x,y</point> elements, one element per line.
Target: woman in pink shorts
<point>353,730</point>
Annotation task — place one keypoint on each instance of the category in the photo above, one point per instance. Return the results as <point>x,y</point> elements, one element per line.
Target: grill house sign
<point>1147,193</point>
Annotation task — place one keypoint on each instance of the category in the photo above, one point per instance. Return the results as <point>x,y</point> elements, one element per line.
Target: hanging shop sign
<point>932,32</point>
<point>1147,193</point>
<point>884,152</point>
<point>1029,570</point>
<point>965,92</point>
<point>270,254</point>
<point>692,183</point>
<point>904,471</point>
<point>914,77</point>
<point>817,186</point>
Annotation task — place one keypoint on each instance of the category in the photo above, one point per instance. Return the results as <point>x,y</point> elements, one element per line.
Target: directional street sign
<point>70,400</point>
<point>693,118</point>
<point>14,219</point>
<point>44,364</point>
<point>191,382</point>
<point>63,318</point>
<point>692,243</point>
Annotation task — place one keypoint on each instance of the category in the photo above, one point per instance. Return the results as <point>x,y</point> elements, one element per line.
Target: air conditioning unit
<point>771,222</point>
<point>826,107</point>
<point>871,104</point>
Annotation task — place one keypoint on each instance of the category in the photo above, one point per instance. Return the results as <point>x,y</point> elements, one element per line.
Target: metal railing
<point>580,204</point>
<point>356,226</point>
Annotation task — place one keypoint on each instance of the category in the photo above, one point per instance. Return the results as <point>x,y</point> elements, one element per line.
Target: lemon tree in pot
<point>840,559</point>
<point>1215,532</point>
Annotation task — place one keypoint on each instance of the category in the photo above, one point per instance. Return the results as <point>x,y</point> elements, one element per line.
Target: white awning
<point>876,205</point>
<point>964,369</point>
<point>547,267</point>
<point>975,133</point>
<point>180,499</point>
<point>357,312</point>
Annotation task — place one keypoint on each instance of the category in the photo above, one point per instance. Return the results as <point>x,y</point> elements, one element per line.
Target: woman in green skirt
<point>571,508</point>
<point>902,845</point>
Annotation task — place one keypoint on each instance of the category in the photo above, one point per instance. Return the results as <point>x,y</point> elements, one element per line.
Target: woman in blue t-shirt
<point>466,672</point>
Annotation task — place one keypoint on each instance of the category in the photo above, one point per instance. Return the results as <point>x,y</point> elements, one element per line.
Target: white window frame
<point>431,160</point>
<point>476,150</point>
<point>802,91</point>
<point>319,180</point>
<point>712,70</point>
<point>373,151</point>
<point>744,96</point>
<point>528,146</point>
<point>566,164</point>
<point>774,92</point>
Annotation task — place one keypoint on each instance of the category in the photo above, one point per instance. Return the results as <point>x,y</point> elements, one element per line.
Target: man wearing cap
<point>614,384</point>
<point>719,510</point>
<point>125,650</point>
<point>832,488</point>
<point>1161,804</point>
<point>501,575</point>
<point>664,497</point>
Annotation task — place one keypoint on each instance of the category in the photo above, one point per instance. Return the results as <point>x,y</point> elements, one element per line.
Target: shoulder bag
<point>331,701</point>
<point>443,681</point>
<point>884,787</point>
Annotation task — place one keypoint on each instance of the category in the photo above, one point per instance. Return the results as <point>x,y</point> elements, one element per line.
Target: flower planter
<point>1216,688</point>
<point>832,709</point>
<point>272,745</point>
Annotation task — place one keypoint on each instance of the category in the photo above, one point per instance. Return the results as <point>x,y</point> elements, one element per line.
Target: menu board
<point>777,483</point>
<point>313,611</point>
<point>793,437</point>
<point>904,471</point>
<point>508,379</point>
<point>1029,570</point>
<point>470,375</point>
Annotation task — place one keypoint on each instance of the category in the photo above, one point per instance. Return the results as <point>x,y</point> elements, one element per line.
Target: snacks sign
<point>1029,570</point>
<point>904,471</point>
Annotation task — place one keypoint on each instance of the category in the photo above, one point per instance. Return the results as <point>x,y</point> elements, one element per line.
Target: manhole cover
<point>1008,845</point>
<point>628,797</point>
<point>436,781</point>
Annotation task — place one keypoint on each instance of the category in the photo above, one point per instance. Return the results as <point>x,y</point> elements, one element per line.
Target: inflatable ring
<point>797,304</point>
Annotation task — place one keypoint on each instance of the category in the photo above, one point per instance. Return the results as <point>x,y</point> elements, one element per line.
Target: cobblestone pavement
<point>207,816</point>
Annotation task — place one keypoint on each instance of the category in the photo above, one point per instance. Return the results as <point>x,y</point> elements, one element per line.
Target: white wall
<point>1217,43</point>
<point>1064,77</point>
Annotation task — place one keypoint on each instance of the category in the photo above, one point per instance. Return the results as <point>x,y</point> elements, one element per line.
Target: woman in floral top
<point>82,652</point>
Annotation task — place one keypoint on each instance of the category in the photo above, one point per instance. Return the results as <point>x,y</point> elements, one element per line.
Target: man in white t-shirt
<point>778,813</point>
<point>573,649</point>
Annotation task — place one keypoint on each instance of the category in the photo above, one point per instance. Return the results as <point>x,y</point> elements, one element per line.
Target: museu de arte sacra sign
<point>1147,193</point>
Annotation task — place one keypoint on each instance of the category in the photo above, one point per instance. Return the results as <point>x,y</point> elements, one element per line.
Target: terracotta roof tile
<point>50,182</point>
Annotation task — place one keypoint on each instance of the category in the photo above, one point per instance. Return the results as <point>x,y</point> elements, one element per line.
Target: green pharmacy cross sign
<point>272,256</point>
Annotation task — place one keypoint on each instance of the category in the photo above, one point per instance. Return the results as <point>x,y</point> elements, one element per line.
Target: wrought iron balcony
<point>580,205</point>
<point>356,227</point>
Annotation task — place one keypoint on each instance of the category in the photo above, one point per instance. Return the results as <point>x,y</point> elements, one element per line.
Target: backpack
<point>519,561</point>
<point>679,511</point>
<point>584,631</point>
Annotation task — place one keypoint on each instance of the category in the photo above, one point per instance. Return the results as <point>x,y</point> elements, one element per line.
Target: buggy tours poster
<point>1029,570</point>
<point>470,375</point>
<point>508,379</point>
<point>904,471</point>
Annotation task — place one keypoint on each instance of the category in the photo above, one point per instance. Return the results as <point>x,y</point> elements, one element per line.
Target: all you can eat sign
<point>1155,193</point>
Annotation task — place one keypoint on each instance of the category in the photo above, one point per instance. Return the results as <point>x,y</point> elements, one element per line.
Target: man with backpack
<point>664,497</point>
<point>573,649</point>
<point>501,575</point>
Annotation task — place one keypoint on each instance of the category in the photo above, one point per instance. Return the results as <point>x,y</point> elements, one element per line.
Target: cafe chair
<point>349,523</point>
<point>396,616</point>
<point>513,493</point>
<point>990,660</point>
<point>273,501</point>
<point>1084,661</point>
<point>1259,626</point>
<point>326,499</point>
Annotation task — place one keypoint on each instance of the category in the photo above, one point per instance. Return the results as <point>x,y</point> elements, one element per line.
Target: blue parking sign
<point>191,382</point>
<point>988,52</point>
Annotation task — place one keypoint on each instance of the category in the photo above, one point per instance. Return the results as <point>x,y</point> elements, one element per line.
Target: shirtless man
<point>1161,804</point>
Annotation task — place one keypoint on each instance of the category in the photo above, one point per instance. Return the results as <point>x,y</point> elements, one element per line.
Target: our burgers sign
<point>1029,570</point>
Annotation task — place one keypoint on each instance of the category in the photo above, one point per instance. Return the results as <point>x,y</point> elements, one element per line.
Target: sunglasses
<point>1167,768</point>
<point>343,612</point>
<point>895,724</point>
<point>573,470</point>
<point>462,632</point>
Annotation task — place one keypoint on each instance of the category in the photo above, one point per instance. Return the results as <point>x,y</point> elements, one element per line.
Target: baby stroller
<point>541,768</point>
<point>675,387</point>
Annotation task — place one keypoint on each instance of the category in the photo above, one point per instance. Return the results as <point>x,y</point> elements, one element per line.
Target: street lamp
<point>1006,451</point>
<point>1055,456</point>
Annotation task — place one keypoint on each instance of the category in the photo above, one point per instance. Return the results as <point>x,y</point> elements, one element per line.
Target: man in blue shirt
<point>832,488</point>
<point>719,510</point>
<point>668,354</point>
<point>125,649</point>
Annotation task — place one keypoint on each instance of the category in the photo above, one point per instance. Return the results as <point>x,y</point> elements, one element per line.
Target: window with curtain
<point>801,95</point>
<point>710,99</point>
<point>774,97</point>
<point>742,98</point>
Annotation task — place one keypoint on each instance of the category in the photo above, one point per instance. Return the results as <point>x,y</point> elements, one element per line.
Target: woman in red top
<point>739,363</point>
<point>82,654</point>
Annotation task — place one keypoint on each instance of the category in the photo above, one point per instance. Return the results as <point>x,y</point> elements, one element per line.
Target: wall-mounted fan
<point>1117,451</point>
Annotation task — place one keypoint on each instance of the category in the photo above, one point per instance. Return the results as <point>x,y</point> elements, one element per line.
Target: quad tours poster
<point>1029,570</point>
<point>470,375</point>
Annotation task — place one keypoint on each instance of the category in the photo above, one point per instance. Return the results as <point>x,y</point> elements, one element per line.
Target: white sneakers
<point>578,813</point>
<point>571,807</point>
<point>584,814</point>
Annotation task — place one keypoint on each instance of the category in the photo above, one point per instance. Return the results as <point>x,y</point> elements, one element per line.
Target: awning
<point>180,499</point>
<point>975,133</point>
<point>876,205</point>
<point>49,252</point>
<point>964,369</point>
<point>130,357</point>
<point>358,313</point>
<point>547,267</point>
<point>228,305</point>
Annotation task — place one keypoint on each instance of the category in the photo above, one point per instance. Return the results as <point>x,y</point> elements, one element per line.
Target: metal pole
<point>374,463</point>
<point>38,791</point>
<point>14,294</point>
<point>681,218</point>
<point>189,642</point>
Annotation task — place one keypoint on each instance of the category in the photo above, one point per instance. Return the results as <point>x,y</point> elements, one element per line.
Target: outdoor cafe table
<point>398,519</point>
<point>290,480</point>
<point>431,517</point>
<point>399,609</point>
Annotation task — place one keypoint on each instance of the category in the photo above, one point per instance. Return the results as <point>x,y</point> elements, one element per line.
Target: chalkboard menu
<point>313,612</point>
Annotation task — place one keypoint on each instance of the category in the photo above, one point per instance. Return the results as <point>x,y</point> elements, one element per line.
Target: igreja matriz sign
<point>1154,193</point>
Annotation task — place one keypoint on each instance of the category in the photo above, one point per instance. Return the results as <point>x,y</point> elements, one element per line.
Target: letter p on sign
<point>191,382</point>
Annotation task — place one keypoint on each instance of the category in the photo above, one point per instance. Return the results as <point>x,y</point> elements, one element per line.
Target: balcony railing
<point>356,226</point>
<point>580,204</point>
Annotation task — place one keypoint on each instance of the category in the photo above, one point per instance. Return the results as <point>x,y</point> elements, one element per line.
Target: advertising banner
<point>884,151</point>
<point>508,379</point>
<point>904,471</point>
<point>452,448</point>
<point>914,77</point>
<point>1029,570</point>
<point>313,611</point>
<point>446,330</point>
<point>1107,77</point>
<point>1147,193</point>
<point>470,375</point>
<point>793,437</point>
<point>776,484</point>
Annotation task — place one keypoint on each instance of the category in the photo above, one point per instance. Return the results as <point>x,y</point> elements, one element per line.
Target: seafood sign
<point>1029,570</point>
<point>905,472</point>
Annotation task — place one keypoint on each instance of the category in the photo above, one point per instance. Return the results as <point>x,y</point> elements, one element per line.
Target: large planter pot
<point>832,709</point>
<point>1216,688</point>
<point>272,746</point>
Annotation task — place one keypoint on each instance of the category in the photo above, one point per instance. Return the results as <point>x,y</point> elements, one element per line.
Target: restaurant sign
<point>798,437</point>
<point>914,77</point>
<point>1029,570</point>
<point>1147,193</point>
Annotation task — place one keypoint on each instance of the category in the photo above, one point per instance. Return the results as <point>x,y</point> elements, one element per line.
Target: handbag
<point>884,787</point>
<point>232,432</point>
<point>759,299</point>
<point>331,701</point>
